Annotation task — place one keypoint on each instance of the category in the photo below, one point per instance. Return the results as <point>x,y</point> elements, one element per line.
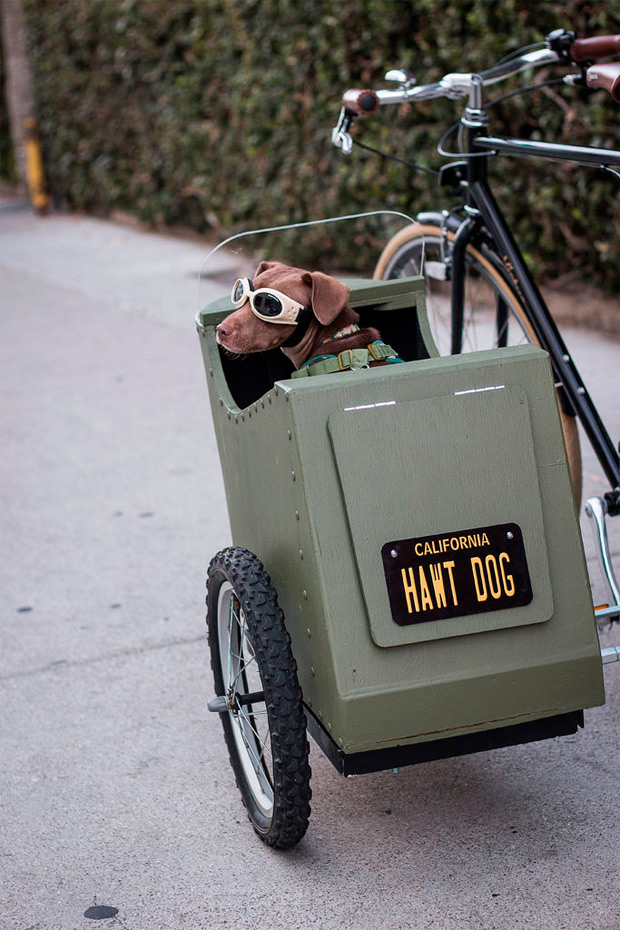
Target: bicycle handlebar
<point>360,102</point>
<point>561,47</point>
<point>364,102</point>
<point>605,76</point>
<point>595,48</point>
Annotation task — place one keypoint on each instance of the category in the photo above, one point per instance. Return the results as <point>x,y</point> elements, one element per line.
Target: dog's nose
<point>223,330</point>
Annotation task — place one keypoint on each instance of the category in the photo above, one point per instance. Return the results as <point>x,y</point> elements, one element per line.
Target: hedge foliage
<point>7,161</point>
<point>216,113</point>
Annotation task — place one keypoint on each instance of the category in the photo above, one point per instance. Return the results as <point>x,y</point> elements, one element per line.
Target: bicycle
<point>468,254</point>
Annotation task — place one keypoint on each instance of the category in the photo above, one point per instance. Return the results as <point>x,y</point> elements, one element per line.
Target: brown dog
<point>331,328</point>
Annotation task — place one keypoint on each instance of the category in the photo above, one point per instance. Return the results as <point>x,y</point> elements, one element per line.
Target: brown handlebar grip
<point>595,47</point>
<point>360,102</point>
<point>605,77</point>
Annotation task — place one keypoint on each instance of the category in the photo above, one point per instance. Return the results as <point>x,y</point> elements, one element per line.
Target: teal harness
<point>349,360</point>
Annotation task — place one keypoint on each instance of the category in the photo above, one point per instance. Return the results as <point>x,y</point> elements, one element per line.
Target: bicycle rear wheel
<point>494,314</point>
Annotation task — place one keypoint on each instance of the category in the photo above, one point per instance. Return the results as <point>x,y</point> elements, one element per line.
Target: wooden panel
<point>440,466</point>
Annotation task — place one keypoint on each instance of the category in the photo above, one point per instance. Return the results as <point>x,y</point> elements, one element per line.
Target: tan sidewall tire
<point>569,424</point>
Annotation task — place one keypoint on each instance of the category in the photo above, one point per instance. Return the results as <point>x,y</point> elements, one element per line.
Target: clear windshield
<point>342,246</point>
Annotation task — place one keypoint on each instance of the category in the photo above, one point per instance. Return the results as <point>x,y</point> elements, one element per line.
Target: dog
<point>306,315</point>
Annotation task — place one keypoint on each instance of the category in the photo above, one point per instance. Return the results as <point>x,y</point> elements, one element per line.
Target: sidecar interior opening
<point>251,377</point>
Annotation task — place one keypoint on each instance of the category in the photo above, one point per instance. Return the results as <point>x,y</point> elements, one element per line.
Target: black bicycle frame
<point>483,209</point>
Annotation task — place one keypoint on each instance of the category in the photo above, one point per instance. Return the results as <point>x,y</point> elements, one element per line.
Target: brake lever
<point>340,133</point>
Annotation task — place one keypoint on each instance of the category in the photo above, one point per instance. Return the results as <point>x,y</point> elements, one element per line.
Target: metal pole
<point>20,105</point>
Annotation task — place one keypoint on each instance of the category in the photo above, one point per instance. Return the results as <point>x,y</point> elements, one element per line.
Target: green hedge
<point>7,161</point>
<point>216,115</point>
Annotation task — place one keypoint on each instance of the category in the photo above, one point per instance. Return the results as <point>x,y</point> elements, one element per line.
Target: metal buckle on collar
<point>353,359</point>
<point>380,351</point>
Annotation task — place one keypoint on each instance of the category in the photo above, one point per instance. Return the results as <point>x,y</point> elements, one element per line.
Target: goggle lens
<point>238,291</point>
<point>267,304</point>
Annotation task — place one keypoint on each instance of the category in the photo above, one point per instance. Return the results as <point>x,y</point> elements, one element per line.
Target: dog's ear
<point>329,296</point>
<point>264,266</point>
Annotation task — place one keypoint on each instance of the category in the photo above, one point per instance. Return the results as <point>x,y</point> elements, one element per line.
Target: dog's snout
<point>224,329</point>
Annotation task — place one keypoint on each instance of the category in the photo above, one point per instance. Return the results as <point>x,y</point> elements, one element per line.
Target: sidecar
<point>407,575</point>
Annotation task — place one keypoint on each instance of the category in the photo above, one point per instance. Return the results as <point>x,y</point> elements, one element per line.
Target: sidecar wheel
<point>264,721</point>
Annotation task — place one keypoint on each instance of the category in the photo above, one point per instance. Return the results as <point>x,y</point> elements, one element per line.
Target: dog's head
<point>242,332</point>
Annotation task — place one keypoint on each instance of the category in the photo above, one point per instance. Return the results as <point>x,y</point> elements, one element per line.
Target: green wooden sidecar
<point>407,575</point>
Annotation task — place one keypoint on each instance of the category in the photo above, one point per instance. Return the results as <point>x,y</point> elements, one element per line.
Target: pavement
<point>117,802</point>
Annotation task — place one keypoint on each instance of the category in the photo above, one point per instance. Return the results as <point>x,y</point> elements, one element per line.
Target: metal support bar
<point>581,154</point>
<point>596,509</point>
<point>255,697</point>
<point>221,703</point>
<point>607,611</point>
<point>610,654</point>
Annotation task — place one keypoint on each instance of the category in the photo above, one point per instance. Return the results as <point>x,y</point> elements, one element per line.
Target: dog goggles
<point>266,303</point>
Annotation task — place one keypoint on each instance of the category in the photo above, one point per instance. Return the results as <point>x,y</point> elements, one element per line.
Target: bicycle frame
<point>482,209</point>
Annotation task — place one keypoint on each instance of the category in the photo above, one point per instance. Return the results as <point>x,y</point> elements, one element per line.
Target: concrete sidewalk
<point>115,787</point>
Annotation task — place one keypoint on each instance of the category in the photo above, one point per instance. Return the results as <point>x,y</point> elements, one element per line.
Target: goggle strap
<point>301,328</point>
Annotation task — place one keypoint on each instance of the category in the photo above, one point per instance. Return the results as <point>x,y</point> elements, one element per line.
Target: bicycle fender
<point>431,218</point>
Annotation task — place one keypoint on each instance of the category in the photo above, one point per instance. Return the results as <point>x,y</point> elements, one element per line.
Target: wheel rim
<point>480,327</point>
<point>249,720</point>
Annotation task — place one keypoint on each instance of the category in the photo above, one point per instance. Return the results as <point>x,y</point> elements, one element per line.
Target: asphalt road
<point>115,789</point>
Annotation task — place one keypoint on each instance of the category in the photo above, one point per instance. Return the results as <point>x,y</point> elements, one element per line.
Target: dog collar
<point>347,331</point>
<point>350,359</point>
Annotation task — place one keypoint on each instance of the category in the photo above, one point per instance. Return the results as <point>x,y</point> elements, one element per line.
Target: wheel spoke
<point>258,761</point>
<point>231,614</point>
<point>264,751</point>
<point>241,658</point>
<point>237,640</point>
<point>243,667</point>
<point>261,741</point>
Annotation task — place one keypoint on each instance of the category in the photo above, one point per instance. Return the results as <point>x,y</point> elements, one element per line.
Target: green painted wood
<point>286,503</point>
<point>454,463</point>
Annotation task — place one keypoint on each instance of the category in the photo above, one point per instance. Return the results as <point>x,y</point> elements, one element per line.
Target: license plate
<point>456,574</point>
